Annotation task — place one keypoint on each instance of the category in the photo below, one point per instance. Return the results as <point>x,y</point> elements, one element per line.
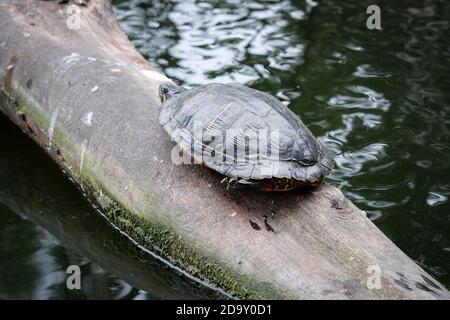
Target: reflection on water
<point>381,100</point>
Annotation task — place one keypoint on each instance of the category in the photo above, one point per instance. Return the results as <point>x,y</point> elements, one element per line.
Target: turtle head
<point>168,89</point>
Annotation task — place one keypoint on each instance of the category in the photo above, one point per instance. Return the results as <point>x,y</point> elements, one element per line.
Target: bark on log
<point>90,99</point>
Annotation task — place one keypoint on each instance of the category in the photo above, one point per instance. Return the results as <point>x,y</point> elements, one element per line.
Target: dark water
<point>380,99</point>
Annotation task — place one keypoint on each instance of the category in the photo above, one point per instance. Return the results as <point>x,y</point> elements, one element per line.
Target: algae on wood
<point>91,100</point>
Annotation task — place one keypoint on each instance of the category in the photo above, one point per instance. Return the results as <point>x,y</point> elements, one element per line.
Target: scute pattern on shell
<point>225,108</point>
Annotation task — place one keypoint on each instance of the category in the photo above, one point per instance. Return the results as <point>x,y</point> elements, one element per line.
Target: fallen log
<point>82,92</point>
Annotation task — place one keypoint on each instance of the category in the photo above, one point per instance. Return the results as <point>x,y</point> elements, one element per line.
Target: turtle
<point>217,125</point>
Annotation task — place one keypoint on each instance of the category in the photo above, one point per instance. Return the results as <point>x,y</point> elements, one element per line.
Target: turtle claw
<point>238,183</point>
<point>231,182</point>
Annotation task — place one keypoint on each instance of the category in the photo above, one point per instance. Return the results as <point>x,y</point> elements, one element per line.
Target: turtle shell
<point>244,133</point>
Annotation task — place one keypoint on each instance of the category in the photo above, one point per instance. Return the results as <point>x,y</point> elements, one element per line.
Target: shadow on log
<point>89,99</point>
